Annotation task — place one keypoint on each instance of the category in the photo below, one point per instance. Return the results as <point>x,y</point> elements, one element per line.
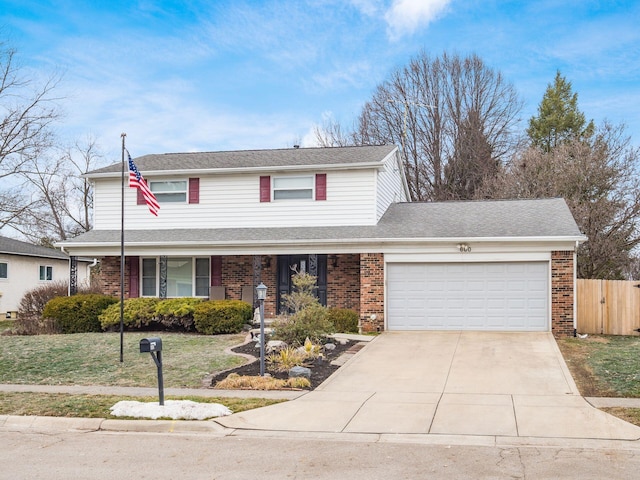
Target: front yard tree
<point>441,111</point>
<point>599,179</point>
<point>27,110</point>
<point>558,119</point>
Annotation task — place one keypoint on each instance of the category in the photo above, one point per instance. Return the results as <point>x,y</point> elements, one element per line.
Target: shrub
<point>30,320</point>
<point>303,294</point>
<point>311,322</point>
<point>286,358</point>
<point>222,316</point>
<point>344,320</point>
<point>241,382</point>
<point>177,313</point>
<point>78,313</point>
<point>138,313</point>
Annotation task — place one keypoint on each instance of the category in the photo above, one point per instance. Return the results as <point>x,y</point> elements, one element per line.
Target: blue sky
<point>242,74</point>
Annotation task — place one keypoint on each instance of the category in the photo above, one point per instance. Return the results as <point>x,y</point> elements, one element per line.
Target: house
<point>24,266</point>
<point>230,220</point>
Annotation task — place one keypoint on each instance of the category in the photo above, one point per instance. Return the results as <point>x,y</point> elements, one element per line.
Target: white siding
<point>24,274</point>
<point>233,201</point>
<point>389,188</point>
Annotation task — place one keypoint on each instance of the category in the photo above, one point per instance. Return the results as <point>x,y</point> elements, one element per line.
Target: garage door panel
<point>468,296</point>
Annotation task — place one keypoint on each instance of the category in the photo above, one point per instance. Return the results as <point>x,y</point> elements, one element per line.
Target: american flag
<point>136,181</point>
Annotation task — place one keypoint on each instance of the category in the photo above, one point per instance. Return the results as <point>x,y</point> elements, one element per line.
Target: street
<point>132,456</point>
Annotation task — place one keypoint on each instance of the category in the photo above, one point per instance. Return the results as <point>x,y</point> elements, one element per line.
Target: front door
<point>315,265</point>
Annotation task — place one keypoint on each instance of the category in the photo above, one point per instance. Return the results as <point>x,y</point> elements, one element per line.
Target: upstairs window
<point>293,188</point>
<point>46,273</point>
<point>4,271</point>
<point>173,191</point>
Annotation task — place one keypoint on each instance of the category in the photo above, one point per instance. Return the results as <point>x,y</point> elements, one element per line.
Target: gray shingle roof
<point>253,159</point>
<point>514,219</point>
<point>16,247</point>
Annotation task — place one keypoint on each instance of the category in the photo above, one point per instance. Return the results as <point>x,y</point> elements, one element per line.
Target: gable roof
<point>11,246</point>
<point>255,160</point>
<point>491,220</point>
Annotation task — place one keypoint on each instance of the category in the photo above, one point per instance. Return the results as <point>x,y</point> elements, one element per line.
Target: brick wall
<point>343,281</point>
<point>110,276</point>
<point>562,293</point>
<point>372,291</point>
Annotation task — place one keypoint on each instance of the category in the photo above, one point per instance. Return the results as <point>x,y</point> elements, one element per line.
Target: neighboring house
<point>24,266</point>
<point>230,220</point>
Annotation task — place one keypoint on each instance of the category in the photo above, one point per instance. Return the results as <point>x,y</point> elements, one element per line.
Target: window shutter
<point>321,186</point>
<point>140,198</point>
<point>216,270</point>
<point>194,190</point>
<point>265,189</point>
<point>134,277</point>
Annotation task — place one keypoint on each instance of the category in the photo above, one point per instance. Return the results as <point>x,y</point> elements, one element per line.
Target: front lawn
<point>604,366</point>
<point>94,359</point>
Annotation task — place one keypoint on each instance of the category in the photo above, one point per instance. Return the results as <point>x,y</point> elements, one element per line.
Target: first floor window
<point>186,277</point>
<point>46,272</point>
<point>3,270</point>
<point>149,279</point>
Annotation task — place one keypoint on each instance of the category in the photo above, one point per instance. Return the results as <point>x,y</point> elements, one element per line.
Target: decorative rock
<point>329,346</point>
<point>300,372</point>
<point>342,341</point>
<point>275,346</point>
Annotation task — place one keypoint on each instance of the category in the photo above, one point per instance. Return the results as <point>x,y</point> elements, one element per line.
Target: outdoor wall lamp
<point>464,247</point>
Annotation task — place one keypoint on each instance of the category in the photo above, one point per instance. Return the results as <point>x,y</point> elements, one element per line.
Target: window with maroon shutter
<point>321,186</point>
<point>265,189</point>
<point>194,190</point>
<point>140,198</point>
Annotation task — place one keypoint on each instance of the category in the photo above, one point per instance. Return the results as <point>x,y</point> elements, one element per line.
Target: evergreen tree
<point>558,119</point>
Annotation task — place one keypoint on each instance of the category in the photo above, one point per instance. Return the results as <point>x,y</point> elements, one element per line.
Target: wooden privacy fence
<point>610,307</point>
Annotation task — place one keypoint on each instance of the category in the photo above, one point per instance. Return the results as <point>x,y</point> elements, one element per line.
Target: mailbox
<point>153,344</point>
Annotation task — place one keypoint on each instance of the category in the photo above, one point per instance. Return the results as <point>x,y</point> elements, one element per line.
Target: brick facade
<point>372,292</point>
<point>343,281</point>
<point>562,289</point>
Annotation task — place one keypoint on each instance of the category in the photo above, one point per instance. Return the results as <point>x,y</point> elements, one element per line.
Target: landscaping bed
<point>321,367</point>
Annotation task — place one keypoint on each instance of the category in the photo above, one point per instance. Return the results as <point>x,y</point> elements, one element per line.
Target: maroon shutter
<point>265,189</point>
<point>194,190</point>
<point>216,271</point>
<point>134,277</point>
<point>321,186</point>
<point>140,199</point>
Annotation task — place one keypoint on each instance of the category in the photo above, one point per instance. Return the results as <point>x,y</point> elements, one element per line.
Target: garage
<point>495,296</point>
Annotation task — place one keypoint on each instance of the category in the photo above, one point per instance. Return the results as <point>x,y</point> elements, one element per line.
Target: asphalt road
<point>132,456</point>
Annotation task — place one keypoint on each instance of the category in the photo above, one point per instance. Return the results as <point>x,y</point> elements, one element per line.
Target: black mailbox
<point>153,344</point>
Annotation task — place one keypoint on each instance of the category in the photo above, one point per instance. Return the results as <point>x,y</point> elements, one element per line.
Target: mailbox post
<point>153,345</point>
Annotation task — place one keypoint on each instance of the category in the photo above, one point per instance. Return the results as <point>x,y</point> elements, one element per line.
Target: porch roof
<point>502,220</point>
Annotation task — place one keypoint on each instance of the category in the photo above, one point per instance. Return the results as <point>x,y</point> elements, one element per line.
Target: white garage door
<point>468,296</point>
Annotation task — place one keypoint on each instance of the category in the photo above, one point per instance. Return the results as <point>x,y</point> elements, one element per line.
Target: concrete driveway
<point>446,383</point>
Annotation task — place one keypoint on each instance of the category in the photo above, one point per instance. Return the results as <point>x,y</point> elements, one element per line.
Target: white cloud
<point>404,17</point>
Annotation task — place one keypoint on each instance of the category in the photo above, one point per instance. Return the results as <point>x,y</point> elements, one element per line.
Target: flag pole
<point>123,135</point>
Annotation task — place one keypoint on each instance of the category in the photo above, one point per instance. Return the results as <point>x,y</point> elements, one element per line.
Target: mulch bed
<point>321,368</point>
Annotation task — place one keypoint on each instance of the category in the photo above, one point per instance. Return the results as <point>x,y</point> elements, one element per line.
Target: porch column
<point>73,275</point>
<point>372,292</point>
<point>163,276</point>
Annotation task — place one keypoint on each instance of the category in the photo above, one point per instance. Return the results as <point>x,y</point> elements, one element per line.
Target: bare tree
<point>27,110</point>
<point>63,197</point>
<point>599,179</point>
<point>440,110</point>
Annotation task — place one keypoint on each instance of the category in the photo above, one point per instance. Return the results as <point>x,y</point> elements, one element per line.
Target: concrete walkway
<point>446,383</point>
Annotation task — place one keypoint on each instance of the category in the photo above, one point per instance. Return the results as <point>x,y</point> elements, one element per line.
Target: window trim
<point>311,188</point>
<point>6,268</point>
<point>156,277</point>
<point>159,195</point>
<point>48,273</point>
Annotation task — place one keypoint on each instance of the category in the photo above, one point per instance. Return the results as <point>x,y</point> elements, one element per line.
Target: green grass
<point>617,364</point>
<point>94,359</point>
<point>97,406</point>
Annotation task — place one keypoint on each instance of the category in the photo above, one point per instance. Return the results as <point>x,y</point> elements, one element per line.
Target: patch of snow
<point>174,409</point>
